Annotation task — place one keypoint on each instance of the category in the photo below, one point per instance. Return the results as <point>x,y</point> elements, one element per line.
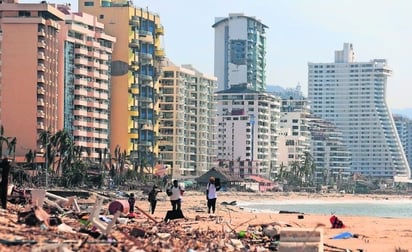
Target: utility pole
<point>47,163</point>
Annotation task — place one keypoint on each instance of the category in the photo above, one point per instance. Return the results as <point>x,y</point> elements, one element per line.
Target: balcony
<point>134,90</point>
<point>145,99</point>
<point>144,121</point>
<point>160,30</point>
<point>81,61</point>
<point>40,126</point>
<point>41,33</point>
<point>133,135</point>
<point>82,51</point>
<point>41,44</point>
<point>160,53</point>
<point>80,71</point>
<point>41,114</point>
<point>134,22</point>
<point>145,56</point>
<point>133,113</point>
<point>133,67</point>
<point>134,43</point>
<point>145,143</point>
<point>40,102</point>
<point>146,36</point>
<point>148,105</point>
<point>41,67</point>
<point>145,77</point>
<point>41,55</point>
<point>41,91</point>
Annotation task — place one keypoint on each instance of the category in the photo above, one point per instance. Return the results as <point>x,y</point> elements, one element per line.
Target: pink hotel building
<point>54,74</point>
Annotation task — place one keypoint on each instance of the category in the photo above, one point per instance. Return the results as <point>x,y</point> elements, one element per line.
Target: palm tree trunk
<point>5,165</point>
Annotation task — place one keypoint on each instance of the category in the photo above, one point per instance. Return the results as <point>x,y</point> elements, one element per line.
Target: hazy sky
<point>300,31</point>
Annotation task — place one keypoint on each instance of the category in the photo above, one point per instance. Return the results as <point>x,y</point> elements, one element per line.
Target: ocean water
<point>378,208</point>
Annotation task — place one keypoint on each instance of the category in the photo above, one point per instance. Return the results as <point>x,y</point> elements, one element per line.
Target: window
<point>101,16</point>
<point>88,3</point>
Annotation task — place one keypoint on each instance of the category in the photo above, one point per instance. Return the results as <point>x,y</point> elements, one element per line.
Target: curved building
<point>352,95</point>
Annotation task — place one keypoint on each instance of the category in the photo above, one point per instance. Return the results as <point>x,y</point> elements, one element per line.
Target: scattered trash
<point>344,235</point>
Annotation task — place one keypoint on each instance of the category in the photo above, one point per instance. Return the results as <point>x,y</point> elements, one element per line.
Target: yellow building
<point>135,70</point>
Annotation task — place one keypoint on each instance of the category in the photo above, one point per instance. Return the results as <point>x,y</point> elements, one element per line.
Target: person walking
<point>175,193</point>
<point>153,198</point>
<point>211,195</point>
<point>132,201</point>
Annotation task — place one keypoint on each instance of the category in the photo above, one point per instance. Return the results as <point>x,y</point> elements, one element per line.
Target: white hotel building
<point>352,95</point>
<point>247,131</point>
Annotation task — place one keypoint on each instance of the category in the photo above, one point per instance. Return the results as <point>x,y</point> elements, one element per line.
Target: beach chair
<point>70,202</point>
<point>104,227</point>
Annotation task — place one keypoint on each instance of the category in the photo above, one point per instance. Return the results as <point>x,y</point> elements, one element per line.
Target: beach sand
<point>201,230</point>
<point>373,233</point>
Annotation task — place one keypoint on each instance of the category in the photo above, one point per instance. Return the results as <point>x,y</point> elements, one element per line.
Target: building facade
<point>404,128</point>
<point>294,135</point>
<point>136,67</point>
<point>247,122</point>
<point>240,51</point>
<point>352,95</point>
<point>187,130</point>
<point>332,158</point>
<point>86,54</point>
<point>31,97</point>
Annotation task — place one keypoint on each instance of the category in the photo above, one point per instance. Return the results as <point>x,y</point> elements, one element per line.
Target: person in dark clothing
<point>153,198</point>
<point>131,201</point>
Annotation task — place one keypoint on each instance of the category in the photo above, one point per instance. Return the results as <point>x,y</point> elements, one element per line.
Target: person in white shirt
<point>211,195</point>
<point>176,195</point>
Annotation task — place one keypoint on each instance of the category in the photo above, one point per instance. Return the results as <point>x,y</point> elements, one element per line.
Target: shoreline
<point>202,232</point>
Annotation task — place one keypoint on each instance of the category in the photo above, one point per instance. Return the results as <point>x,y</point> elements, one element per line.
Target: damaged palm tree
<point>5,164</point>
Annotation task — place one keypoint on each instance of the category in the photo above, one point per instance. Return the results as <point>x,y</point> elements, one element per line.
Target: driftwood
<point>146,214</point>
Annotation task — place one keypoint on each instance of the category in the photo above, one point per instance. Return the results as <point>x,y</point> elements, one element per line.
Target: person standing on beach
<point>153,198</point>
<point>175,193</point>
<point>211,195</point>
<point>131,201</point>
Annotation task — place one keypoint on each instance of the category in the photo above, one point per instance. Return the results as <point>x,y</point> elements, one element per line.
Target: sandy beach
<point>200,231</point>
<point>374,234</point>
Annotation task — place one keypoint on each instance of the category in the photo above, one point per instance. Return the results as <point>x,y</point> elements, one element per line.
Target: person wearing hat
<point>153,198</point>
<point>211,195</point>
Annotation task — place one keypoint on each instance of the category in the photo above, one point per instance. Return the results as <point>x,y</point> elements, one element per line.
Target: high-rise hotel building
<point>187,130</point>
<point>247,126</point>
<point>404,128</point>
<point>240,51</point>
<point>31,97</point>
<point>86,54</point>
<point>352,95</point>
<point>135,71</point>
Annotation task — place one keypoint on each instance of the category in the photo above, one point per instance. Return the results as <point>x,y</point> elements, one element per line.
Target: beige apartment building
<point>87,53</point>
<point>187,128</point>
<point>31,98</point>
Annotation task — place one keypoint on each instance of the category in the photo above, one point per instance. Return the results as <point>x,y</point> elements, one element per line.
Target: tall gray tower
<point>240,52</point>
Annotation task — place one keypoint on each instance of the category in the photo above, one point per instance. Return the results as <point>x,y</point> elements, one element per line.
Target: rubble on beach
<point>53,223</point>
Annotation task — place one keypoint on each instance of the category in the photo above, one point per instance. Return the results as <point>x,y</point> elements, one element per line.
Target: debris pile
<point>47,222</point>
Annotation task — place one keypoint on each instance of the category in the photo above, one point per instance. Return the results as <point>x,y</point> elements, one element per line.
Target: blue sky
<point>300,31</point>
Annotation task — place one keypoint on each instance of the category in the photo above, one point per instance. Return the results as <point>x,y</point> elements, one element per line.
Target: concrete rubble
<point>53,223</point>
